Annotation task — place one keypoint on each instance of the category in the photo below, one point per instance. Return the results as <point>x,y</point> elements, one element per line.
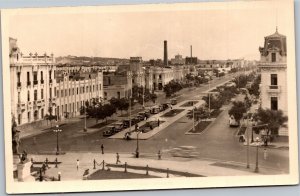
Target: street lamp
<point>57,131</point>
<point>247,129</point>
<point>194,119</point>
<point>137,141</point>
<point>257,145</point>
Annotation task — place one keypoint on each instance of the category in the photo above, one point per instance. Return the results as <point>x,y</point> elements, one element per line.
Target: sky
<point>214,34</point>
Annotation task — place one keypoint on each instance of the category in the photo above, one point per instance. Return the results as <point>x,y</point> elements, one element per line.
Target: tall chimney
<point>191,51</point>
<point>165,53</point>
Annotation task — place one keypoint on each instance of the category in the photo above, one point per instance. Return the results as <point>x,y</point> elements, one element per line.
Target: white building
<point>273,74</point>
<point>32,84</point>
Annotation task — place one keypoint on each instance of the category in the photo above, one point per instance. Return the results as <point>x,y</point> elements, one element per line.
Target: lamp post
<point>257,145</point>
<point>57,131</point>
<point>194,119</point>
<point>85,129</point>
<point>137,141</point>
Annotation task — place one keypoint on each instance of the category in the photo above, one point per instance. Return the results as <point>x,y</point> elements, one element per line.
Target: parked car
<point>173,101</point>
<point>126,123</point>
<point>118,127</point>
<point>233,122</point>
<point>109,132</point>
<point>155,110</point>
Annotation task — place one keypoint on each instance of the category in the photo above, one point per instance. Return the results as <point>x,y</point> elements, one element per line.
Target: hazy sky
<point>214,34</point>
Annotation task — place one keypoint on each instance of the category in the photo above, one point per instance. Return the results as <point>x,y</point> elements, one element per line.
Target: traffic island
<point>189,104</point>
<point>199,128</point>
<point>172,113</point>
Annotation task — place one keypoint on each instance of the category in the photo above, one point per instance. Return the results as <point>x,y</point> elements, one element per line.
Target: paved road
<point>218,142</point>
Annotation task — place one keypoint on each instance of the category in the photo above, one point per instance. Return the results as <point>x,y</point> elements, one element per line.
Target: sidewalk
<point>196,166</point>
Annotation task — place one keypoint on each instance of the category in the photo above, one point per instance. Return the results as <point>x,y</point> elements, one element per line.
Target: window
<point>159,76</point>
<point>54,91</point>
<point>69,92</point>
<point>36,115</point>
<point>35,79</point>
<point>73,91</point>
<point>87,89</point>
<point>28,116</point>
<point>42,113</point>
<point>28,96</point>
<point>50,93</point>
<point>274,103</point>
<point>35,95</point>
<point>62,93</point>
<point>105,95</point>
<point>18,76</point>
<point>28,78</point>
<point>19,118</point>
<point>273,57</point>
<point>100,87</point>
<point>77,90</point>
<point>42,78</point>
<point>66,92</point>
<point>118,95</point>
<point>57,93</point>
<point>93,88</point>
<point>42,93</point>
<point>274,79</point>
<point>19,97</point>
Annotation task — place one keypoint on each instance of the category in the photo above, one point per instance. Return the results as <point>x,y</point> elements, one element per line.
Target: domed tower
<point>273,66</point>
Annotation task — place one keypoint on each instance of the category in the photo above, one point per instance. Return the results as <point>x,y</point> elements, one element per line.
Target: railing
<point>35,82</point>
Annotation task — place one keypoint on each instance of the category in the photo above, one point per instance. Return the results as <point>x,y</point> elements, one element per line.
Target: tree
<point>254,88</point>
<point>274,119</point>
<point>49,116</point>
<point>108,110</point>
<point>199,113</point>
<point>237,110</point>
<point>214,102</point>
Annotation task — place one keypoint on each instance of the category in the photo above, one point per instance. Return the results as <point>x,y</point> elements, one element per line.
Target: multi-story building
<point>117,84</point>
<point>38,88</point>
<point>273,65</point>
<point>32,84</point>
<point>74,89</point>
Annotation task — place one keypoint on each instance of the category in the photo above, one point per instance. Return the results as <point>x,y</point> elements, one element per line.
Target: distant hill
<point>83,60</point>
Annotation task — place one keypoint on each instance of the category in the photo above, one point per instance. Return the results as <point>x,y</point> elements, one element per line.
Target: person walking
<point>102,148</point>
<point>265,154</point>
<point>118,159</point>
<point>77,164</point>
<point>158,122</point>
<point>159,155</point>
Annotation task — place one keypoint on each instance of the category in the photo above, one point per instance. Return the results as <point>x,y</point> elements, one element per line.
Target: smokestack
<point>191,51</point>
<point>165,53</point>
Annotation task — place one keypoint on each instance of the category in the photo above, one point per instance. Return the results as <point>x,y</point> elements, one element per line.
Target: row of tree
<point>172,87</point>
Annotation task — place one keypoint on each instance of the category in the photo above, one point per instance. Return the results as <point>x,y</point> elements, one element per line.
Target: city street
<point>218,142</point>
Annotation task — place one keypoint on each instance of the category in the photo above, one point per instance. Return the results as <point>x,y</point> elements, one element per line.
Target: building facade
<point>38,88</point>
<point>32,84</point>
<point>273,67</point>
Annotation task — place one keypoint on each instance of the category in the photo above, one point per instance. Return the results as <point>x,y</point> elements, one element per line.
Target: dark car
<point>109,131</point>
<point>118,127</point>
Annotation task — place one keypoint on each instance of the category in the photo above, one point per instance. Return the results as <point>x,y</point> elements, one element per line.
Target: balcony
<point>273,89</point>
<point>42,81</point>
<point>21,107</point>
<point>50,81</point>
<point>35,82</point>
<point>19,84</point>
<point>28,83</point>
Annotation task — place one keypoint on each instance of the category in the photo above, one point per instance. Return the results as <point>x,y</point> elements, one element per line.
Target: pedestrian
<point>102,148</point>
<point>265,154</point>
<point>158,122</point>
<point>118,159</point>
<point>77,164</point>
<point>44,167</point>
<point>159,155</point>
